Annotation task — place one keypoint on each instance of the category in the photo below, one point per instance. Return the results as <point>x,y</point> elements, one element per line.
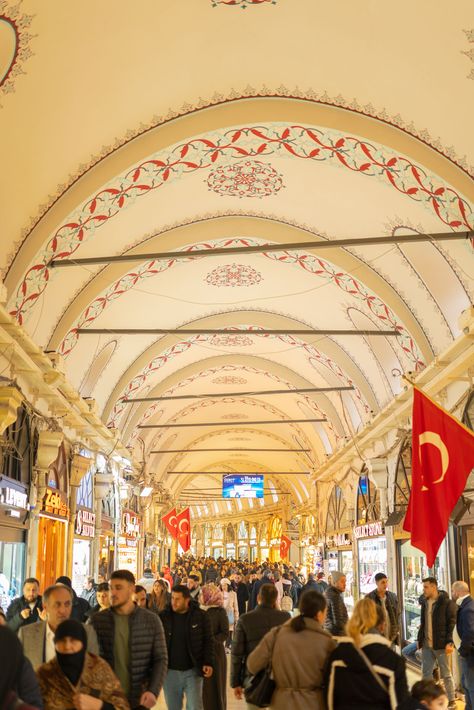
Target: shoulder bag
<point>260,690</point>
<point>372,670</point>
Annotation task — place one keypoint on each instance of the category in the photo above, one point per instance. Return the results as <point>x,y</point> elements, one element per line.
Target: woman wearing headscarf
<point>214,689</point>
<point>11,665</point>
<point>76,678</point>
<point>160,597</point>
<point>231,606</point>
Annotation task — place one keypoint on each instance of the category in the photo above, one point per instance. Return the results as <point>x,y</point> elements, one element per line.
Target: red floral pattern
<point>242,3</point>
<point>300,142</point>
<point>233,275</point>
<point>249,178</point>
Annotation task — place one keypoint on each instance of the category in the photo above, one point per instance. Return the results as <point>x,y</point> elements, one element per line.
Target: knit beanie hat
<point>336,576</point>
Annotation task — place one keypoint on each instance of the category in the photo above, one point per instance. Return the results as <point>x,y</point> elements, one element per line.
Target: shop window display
<point>372,559</point>
<point>12,563</point>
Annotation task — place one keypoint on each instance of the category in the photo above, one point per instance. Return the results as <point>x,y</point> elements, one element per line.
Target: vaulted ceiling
<point>209,124</point>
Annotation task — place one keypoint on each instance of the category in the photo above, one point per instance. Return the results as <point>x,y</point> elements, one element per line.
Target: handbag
<point>260,690</point>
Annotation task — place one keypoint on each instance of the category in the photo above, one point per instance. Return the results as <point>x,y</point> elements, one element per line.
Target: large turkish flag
<point>285,544</point>
<point>442,459</point>
<point>171,522</point>
<point>184,529</point>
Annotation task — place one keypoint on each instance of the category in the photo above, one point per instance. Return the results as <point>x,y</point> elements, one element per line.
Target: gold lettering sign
<point>55,503</point>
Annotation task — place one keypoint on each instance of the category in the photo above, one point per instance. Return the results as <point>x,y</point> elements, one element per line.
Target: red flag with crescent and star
<point>285,544</point>
<point>442,459</point>
<point>184,529</point>
<point>171,522</point>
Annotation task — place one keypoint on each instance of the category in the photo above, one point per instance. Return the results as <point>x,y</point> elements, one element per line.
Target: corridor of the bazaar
<point>236,355</point>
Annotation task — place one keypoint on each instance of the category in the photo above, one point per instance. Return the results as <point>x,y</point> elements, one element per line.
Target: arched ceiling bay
<point>181,128</point>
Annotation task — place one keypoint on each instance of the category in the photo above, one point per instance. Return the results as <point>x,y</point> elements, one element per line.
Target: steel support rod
<point>200,451</point>
<point>240,331</point>
<point>229,424</point>
<point>249,393</point>
<point>237,473</point>
<point>264,248</point>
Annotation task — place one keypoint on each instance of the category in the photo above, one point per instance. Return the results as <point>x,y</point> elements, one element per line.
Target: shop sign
<point>12,496</point>
<point>85,523</point>
<point>130,525</point>
<point>338,540</point>
<point>369,530</point>
<point>55,503</point>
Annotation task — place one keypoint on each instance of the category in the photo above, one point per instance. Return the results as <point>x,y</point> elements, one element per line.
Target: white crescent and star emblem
<point>170,521</point>
<point>431,437</point>
<point>181,529</point>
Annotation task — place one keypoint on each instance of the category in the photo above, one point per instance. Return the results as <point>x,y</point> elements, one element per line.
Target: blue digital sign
<point>249,486</point>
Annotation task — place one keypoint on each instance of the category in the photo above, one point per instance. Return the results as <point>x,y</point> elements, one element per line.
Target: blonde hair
<point>364,618</point>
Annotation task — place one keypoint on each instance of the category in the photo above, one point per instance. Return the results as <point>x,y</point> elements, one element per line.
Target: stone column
<point>378,474</point>
<point>79,467</point>
<point>102,483</point>
<point>48,445</point>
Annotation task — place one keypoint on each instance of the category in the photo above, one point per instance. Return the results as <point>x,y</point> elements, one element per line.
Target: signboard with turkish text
<point>12,496</point>
<point>85,523</point>
<point>369,530</point>
<point>54,504</point>
<point>339,540</point>
<point>130,525</point>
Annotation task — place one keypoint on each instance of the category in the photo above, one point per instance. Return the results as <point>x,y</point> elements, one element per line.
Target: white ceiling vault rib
<point>254,180</point>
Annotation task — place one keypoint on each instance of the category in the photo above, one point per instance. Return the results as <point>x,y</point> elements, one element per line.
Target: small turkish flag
<point>442,459</point>
<point>285,544</point>
<point>184,529</point>
<point>171,522</point>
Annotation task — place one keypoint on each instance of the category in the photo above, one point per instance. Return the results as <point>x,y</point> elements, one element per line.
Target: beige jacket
<point>298,661</point>
<point>33,639</point>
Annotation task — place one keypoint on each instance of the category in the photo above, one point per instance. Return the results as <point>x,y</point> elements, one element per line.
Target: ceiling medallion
<point>233,275</point>
<point>242,3</point>
<point>230,340</point>
<point>247,178</point>
<point>229,380</point>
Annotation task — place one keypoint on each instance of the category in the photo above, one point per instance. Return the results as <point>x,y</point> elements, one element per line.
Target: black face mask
<point>72,664</point>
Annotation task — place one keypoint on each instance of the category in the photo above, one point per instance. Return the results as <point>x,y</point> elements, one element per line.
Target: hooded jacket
<point>444,620</point>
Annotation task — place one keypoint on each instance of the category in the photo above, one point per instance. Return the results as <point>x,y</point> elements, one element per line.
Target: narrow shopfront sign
<point>85,523</point>
<point>12,497</point>
<point>369,530</point>
<point>55,503</point>
<point>130,529</point>
<point>338,540</point>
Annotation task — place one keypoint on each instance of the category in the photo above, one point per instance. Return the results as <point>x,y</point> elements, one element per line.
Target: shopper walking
<point>435,634</point>
<point>388,602</point>
<point>80,607</point>
<point>194,587</point>
<point>464,639</point>
<point>11,663</point>
<point>25,610</point>
<point>160,597</point>
<point>364,672</point>
<point>77,679</point>
<point>215,687</point>
<point>89,592</point>
<point>140,596</point>
<point>242,592</point>
<point>148,580</point>
<point>250,630</point>
<point>38,639</point>
<point>132,641</point>
<point>103,599</point>
<point>298,653</point>
<point>230,605</point>
<point>337,616</point>
<point>190,650</point>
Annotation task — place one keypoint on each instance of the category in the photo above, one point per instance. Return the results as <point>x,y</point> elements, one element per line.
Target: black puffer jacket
<point>336,619</point>
<point>14,618</point>
<point>199,636</point>
<point>444,620</point>
<point>250,630</point>
<point>393,611</point>
<point>148,653</point>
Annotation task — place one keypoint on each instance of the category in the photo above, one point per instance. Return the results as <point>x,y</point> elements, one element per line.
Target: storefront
<point>107,535</point>
<point>127,557</point>
<point>338,543</point>
<point>275,533</point>
<point>264,549</point>
<point>84,531</point>
<point>253,546</point>
<point>242,541</point>
<point>52,537</point>
<point>370,536</point>
<point>207,540</point>
<point>13,512</point>
<point>18,452</point>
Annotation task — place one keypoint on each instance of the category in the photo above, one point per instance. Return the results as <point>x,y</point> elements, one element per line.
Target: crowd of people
<point>124,641</point>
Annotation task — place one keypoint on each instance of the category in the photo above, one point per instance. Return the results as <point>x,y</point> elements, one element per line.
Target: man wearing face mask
<point>78,679</point>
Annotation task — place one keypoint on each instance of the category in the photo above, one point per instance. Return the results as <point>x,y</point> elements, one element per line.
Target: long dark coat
<point>215,688</point>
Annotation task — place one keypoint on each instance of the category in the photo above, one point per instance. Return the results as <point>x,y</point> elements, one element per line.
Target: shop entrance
<point>51,559</point>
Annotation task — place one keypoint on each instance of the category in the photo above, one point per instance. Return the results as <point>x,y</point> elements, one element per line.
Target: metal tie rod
<point>238,394</point>
<point>237,473</point>
<point>228,424</point>
<point>242,331</point>
<point>200,451</point>
<point>263,248</point>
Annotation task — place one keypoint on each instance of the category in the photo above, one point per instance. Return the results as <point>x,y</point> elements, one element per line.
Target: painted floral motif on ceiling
<point>230,341</point>
<point>307,261</point>
<point>233,275</point>
<point>296,142</point>
<point>248,178</point>
<point>242,3</point>
<point>234,416</point>
<point>229,380</point>
<point>470,52</point>
<point>15,39</point>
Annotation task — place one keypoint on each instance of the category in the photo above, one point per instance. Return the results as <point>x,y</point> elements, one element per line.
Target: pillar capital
<point>48,445</point>
<point>79,467</point>
<point>10,400</point>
